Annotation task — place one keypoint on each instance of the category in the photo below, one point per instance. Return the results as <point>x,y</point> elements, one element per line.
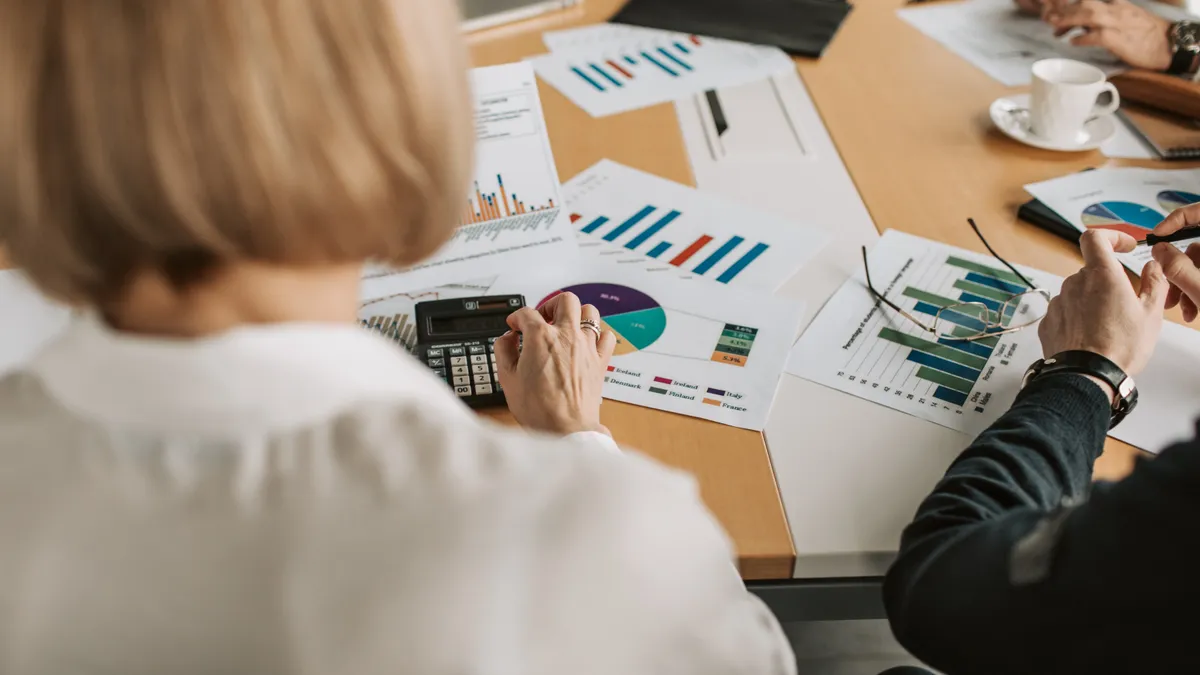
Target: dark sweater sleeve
<point>1010,566</point>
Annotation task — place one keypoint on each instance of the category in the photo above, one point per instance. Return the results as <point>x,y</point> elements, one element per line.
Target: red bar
<point>691,250</point>
<point>696,40</point>
<point>662,380</point>
<point>611,368</point>
<point>617,67</point>
<point>575,217</point>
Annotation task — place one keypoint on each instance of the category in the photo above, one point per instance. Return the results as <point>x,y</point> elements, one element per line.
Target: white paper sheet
<point>1126,144</point>
<point>1129,200</point>
<point>698,233</point>
<point>513,213</point>
<point>27,320</point>
<point>1168,393</point>
<point>698,349</point>
<point>1004,43</point>
<point>865,348</point>
<point>611,69</point>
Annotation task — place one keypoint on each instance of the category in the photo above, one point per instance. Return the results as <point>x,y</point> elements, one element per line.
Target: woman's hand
<point>1181,268</point>
<point>1136,36</point>
<point>553,382</point>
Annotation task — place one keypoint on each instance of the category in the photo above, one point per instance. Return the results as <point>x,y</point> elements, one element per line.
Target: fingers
<point>562,310</point>
<point>608,343</point>
<point>1100,246</point>
<point>1188,307</point>
<point>1087,14</point>
<point>1180,270</point>
<point>527,320</point>
<point>1154,287</point>
<point>508,352</point>
<point>1187,216</point>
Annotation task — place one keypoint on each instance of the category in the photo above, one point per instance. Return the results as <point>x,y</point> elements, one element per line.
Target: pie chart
<point>636,318</point>
<point>1176,199</point>
<point>1132,219</point>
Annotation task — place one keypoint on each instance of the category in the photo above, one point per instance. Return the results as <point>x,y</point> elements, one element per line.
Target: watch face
<point>1187,35</point>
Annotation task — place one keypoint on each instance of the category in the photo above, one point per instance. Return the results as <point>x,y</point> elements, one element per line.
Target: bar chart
<point>673,60</point>
<point>699,233</point>
<point>863,347</point>
<point>609,69</point>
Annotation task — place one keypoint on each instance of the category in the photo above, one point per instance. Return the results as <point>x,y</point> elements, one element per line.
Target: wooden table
<point>910,120</point>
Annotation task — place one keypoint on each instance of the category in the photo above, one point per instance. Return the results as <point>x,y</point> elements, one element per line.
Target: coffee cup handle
<point>1112,105</point>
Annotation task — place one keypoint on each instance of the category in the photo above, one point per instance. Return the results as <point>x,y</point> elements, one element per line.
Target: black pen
<point>1182,235</point>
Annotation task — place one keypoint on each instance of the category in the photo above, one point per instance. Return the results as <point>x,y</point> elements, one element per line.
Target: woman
<point>214,470</point>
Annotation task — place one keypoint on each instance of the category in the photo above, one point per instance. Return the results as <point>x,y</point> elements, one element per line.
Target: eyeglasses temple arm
<point>997,255</point>
<point>880,296</point>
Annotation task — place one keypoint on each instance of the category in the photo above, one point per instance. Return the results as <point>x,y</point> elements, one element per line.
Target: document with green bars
<point>863,347</point>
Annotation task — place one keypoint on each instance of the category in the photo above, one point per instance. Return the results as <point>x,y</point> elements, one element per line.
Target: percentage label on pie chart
<point>1135,220</point>
<point>636,318</point>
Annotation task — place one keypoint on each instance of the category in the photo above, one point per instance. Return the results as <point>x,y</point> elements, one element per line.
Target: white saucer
<point>1011,115</point>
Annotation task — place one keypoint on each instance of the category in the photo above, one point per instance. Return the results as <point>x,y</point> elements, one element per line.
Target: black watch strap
<point>1182,62</point>
<point>1090,363</point>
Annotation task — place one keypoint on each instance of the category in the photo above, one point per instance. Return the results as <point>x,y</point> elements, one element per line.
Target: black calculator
<point>457,339</point>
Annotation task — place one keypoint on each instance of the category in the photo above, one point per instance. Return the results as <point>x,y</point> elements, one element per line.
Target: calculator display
<point>457,340</point>
<point>470,323</point>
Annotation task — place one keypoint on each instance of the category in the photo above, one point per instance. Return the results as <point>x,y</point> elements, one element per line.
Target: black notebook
<point>803,27</point>
<point>1036,213</point>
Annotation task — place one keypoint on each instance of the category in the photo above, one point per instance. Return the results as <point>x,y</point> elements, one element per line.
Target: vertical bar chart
<point>611,74</point>
<point>497,204</point>
<point>638,217</point>
<point>724,264</point>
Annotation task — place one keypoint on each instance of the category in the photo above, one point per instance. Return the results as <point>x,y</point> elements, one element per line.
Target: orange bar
<point>504,198</point>
<point>731,359</point>
<point>710,401</point>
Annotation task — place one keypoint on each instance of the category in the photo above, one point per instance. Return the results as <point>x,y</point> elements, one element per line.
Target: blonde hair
<point>180,135</point>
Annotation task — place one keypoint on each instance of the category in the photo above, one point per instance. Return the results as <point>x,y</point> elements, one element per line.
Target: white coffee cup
<point>1065,96</point>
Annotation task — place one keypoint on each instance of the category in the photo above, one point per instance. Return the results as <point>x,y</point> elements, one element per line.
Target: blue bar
<point>952,317</point>
<point>740,265</point>
<point>715,258</point>
<point>677,61</point>
<point>683,48</point>
<point>663,247</point>
<point>651,59</point>
<point>587,79</point>
<point>995,283</point>
<point>938,363</point>
<point>630,60</point>
<point>975,348</point>
<point>592,226</point>
<point>652,230</point>
<point>624,227</point>
<point>950,396</point>
<point>606,76</point>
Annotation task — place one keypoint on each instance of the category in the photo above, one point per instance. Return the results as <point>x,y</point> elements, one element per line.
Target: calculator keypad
<point>470,368</point>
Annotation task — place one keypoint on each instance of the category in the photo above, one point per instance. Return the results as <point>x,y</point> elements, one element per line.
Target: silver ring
<point>593,326</point>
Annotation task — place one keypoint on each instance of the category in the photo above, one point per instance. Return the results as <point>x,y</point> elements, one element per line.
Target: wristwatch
<point>1090,363</point>
<point>1185,48</point>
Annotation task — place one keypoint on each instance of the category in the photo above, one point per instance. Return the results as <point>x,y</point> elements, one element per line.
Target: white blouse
<point>308,499</point>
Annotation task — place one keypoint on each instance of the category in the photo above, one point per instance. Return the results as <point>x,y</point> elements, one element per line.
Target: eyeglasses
<point>991,303</point>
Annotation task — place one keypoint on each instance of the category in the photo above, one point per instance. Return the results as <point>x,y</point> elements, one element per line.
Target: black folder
<point>802,27</point>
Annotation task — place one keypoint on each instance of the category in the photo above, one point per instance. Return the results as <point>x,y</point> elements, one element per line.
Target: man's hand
<point>1180,267</point>
<point>1137,36</point>
<point>1098,311</point>
<point>1030,7</point>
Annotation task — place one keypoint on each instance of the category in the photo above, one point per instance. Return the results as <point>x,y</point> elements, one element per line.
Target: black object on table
<point>802,27</point>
